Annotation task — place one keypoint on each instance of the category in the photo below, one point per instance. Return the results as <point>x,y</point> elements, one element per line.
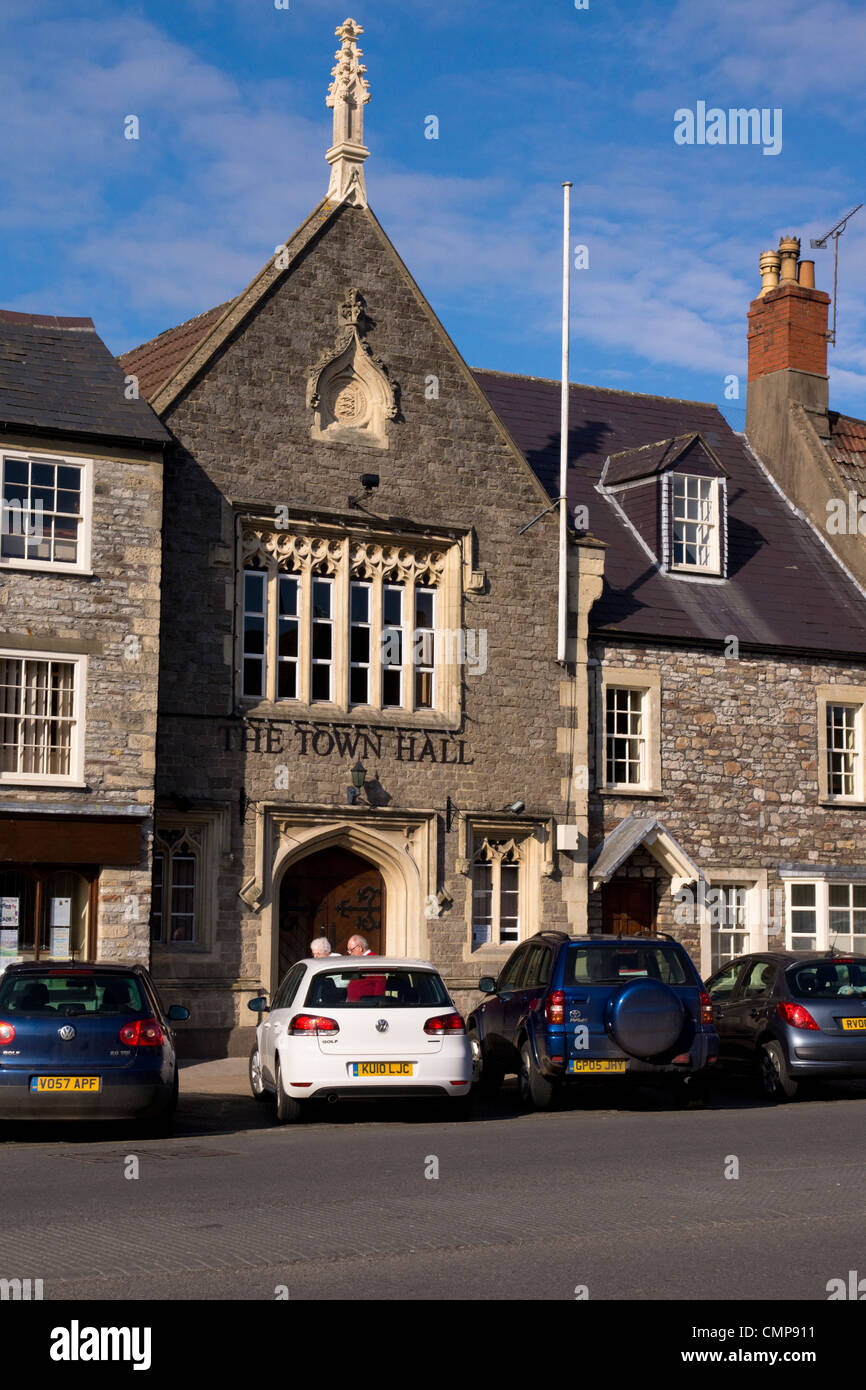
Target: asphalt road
<point>630,1202</point>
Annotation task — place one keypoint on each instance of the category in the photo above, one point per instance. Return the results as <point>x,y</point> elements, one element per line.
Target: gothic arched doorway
<point>332,893</point>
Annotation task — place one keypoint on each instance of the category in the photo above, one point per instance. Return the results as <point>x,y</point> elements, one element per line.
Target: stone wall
<point>111,615</point>
<point>739,762</point>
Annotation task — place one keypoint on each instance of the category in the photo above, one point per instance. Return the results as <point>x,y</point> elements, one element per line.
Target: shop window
<point>45,913</point>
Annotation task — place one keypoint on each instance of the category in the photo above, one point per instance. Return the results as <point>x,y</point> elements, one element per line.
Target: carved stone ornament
<point>300,551</point>
<point>350,389</point>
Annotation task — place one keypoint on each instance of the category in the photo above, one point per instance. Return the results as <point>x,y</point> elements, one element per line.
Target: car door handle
<point>757,1013</point>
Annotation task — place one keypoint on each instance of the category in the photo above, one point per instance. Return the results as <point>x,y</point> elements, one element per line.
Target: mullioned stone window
<point>333,623</point>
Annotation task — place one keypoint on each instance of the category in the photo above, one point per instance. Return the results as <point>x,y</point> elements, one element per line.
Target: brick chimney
<point>787,421</point>
<point>788,321</point>
<point>787,363</point>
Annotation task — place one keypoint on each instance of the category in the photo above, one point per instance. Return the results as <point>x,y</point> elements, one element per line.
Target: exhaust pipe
<point>333,1098</point>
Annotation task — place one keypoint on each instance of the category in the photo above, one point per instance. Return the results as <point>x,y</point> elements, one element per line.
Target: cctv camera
<point>369,481</point>
<point>516,807</point>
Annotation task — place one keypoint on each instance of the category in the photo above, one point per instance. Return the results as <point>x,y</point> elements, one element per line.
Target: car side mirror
<point>178,1013</point>
<point>487,984</point>
<point>260,1005</point>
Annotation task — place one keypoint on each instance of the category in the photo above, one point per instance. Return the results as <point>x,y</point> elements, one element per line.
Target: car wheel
<point>690,1092</point>
<point>257,1081</point>
<point>535,1090</point>
<point>776,1080</point>
<point>289,1110</point>
<point>486,1075</point>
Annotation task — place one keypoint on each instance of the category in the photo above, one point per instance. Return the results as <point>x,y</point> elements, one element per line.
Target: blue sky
<point>230,94</point>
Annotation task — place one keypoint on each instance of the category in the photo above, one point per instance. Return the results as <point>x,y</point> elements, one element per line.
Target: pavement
<point>226,1076</point>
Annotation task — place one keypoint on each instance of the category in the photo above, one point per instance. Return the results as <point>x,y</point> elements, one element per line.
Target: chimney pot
<point>806,274</point>
<point>770,264</point>
<point>789,250</point>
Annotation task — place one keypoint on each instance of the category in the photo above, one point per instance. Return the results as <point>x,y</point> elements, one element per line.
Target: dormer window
<point>694,523</point>
<point>673,496</point>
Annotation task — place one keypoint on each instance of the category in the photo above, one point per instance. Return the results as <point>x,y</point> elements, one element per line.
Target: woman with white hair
<point>322,947</point>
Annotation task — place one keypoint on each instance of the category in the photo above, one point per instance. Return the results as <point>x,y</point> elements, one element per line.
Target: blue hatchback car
<point>565,1010</point>
<point>86,1041</point>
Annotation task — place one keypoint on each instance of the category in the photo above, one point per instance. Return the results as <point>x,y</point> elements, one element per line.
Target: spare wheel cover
<point>646,1018</point>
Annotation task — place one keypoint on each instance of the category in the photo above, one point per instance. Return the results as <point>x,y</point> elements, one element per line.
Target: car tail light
<point>706,1007</point>
<point>797,1016</point>
<point>7,1033</point>
<point>313,1023</point>
<point>554,1006</point>
<point>445,1023</point>
<point>144,1032</point>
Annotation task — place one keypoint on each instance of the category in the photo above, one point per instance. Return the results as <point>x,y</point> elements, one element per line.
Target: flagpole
<point>563,432</point>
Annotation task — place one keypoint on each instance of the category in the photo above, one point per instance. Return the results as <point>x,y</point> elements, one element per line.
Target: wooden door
<point>628,906</point>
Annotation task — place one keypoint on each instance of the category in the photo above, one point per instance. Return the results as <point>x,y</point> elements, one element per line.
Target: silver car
<point>793,1016</point>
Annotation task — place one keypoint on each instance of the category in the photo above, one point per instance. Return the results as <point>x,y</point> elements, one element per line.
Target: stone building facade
<point>80,554</point>
<point>362,721</point>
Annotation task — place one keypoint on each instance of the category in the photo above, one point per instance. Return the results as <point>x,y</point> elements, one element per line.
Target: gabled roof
<point>57,376</point>
<point>652,459</point>
<point>200,339</point>
<point>784,587</point>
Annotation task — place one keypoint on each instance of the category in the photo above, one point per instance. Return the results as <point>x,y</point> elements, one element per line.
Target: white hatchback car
<point>359,1027</point>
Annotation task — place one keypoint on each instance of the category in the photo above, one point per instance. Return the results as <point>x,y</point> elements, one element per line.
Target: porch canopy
<point>636,830</point>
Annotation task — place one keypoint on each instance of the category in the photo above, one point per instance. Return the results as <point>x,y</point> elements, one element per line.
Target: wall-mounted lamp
<point>358,775</point>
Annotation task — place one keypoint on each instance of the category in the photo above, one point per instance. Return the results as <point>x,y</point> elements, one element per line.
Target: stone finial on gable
<point>348,93</point>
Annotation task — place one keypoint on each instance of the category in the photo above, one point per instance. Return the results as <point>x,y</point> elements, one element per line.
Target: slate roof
<point>57,376</point>
<point>155,361</point>
<point>847,449</point>
<point>784,587</point>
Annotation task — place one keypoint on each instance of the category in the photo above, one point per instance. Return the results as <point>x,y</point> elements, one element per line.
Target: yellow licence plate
<point>599,1064</point>
<point>381,1068</point>
<point>854,1025</point>
<point>66,1083</point>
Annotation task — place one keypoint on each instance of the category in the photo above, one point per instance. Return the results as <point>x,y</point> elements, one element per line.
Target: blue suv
<point>566,1009</point>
